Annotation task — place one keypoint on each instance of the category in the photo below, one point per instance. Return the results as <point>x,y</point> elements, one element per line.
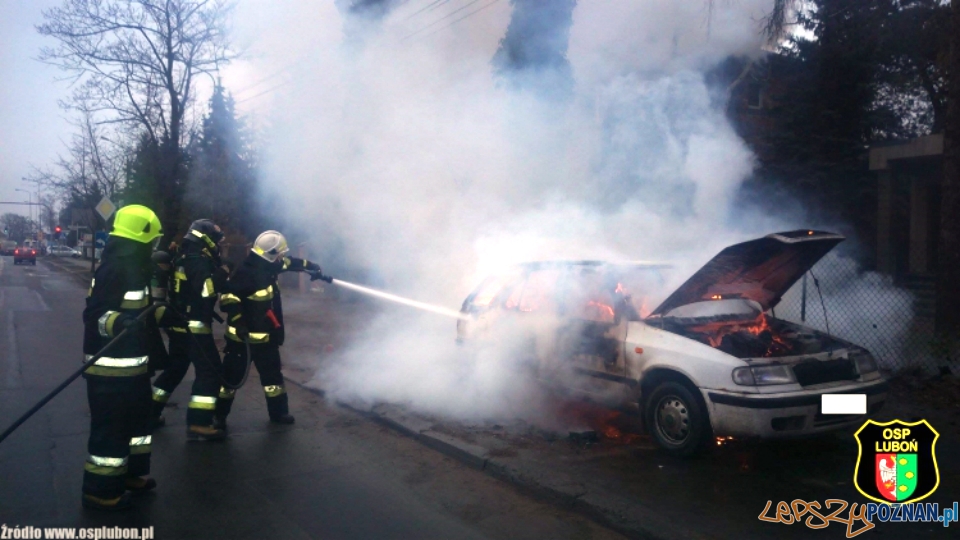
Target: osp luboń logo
<point>896,462</point>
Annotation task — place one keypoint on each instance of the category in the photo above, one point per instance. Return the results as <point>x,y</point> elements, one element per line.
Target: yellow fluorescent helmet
<point>137,223</point>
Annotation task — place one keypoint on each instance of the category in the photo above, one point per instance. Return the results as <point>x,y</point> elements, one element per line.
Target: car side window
<point>539,291</point>
<point>490,291</point>
<point>588,296</point>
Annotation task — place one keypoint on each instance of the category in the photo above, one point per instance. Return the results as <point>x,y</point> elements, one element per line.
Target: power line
<point>447,16</point>
<point>436,3</point>
<point>468,15</point>
<point>267,91</point>
<point>265,79</point>
<point>429,7</point>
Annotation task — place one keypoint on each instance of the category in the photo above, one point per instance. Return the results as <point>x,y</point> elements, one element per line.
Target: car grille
<point>811,372</point>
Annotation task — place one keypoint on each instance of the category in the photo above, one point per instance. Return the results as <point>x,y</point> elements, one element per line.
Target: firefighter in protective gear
<point>254,315</point>
<point>177,359</point>
<point>197,281</point>
<point>118,385</point>
<point>158,293</point>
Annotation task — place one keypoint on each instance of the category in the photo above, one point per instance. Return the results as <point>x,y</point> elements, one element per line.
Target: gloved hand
<point>125,321</point>
<point>313,267</point>
<point>243,333</point>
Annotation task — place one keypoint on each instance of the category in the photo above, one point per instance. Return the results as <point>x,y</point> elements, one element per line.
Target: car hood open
<point>761,270</point>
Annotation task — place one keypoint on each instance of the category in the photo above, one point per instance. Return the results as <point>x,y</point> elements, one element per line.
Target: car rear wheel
<point>677,419</point>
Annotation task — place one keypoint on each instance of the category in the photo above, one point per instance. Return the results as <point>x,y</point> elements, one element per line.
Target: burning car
<point>711,360</point>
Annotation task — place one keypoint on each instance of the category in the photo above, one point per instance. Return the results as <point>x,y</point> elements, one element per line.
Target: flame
<point>716,297</point>
<point>602,311</point>
<point>714,332</point>
<point>723,440</point>
<point>644,309</point>
<point>602,420</point>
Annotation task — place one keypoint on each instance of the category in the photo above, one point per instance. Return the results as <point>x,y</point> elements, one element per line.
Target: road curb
<point>566,494</point>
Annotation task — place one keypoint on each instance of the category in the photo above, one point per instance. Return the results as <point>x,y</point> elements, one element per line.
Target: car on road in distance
<point>711,360</point>
<point>24,254</point>
<point>63,251</point>
<point>7,247</point>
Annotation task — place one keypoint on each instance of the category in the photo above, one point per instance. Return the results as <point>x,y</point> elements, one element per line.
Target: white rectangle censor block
<point>843,404</point>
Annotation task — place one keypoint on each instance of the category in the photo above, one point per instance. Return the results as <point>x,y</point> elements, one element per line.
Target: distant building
<point>909,174</point>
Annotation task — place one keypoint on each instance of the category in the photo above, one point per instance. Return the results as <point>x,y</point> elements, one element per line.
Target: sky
<point>31,124</point>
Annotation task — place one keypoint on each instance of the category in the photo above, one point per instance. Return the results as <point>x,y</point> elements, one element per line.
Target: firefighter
<point>178,360</point>
<point>254,315</point>
<point>118,385</point>
<point>159,357</point>
<point>197,280</point>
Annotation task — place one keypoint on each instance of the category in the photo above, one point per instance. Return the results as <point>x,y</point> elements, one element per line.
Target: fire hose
<point>141,319</point>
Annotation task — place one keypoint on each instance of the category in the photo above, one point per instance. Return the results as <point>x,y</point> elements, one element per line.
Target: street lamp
<point>30,200</point>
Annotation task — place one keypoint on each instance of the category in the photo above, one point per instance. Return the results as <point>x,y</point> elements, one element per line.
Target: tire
<point>676,417</point>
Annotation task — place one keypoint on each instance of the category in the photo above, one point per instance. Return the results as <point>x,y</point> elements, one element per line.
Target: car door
<point>591,332</point>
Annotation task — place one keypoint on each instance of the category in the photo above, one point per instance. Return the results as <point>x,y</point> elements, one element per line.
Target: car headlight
<point>763,375</point>
<point>865,363</point>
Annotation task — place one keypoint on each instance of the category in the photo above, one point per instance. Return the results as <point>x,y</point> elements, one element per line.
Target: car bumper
<point>796,414</point>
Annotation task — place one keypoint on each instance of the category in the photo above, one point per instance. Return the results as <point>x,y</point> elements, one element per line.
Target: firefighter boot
<point>160,398</point>
<point>224,404</point>
<point>205,433</point>
<point>282,419</point>
<point>277,404</point>
<point>122,502</point>
<point>139,484</point>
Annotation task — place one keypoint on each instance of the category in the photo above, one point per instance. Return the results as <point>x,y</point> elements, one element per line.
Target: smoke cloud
<point>414,157</point>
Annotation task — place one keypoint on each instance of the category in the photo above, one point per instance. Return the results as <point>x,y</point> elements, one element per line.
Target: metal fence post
<point>302,253</point>
<point>803,300</point>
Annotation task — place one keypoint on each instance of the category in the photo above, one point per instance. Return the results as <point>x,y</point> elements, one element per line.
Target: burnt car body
<point>711,359</point>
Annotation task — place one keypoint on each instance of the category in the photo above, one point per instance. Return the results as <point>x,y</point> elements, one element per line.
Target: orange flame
<point>603,311</point>
<point>715,332</point>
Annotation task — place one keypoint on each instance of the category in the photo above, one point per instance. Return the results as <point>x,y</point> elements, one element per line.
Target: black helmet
<point>160,257</point>
<point>204,231</point>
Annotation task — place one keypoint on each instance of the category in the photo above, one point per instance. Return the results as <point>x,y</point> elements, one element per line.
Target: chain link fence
<point>866,308</point>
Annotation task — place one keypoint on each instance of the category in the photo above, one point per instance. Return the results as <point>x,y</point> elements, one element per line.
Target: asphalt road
<point>332,475</point>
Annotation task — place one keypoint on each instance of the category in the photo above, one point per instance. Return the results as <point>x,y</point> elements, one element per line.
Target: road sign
<point>105,208</point>
<point>101,240</point>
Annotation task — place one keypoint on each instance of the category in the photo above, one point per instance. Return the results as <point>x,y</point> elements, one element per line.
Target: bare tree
<point>136,63</point>
<point>92,167</point>
<point>18,227</point>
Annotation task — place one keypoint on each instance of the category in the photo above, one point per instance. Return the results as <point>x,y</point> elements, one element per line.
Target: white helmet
<point>271,245</point>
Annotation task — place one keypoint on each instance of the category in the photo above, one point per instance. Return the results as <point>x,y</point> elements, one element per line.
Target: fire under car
<point>711,360</point>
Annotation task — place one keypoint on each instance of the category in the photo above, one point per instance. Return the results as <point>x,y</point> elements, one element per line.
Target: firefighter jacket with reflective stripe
<point>120,289</point>
<point>197,282</point>
<point>252,300</point>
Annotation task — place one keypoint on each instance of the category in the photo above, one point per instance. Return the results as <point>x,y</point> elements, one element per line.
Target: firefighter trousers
<point>120,433</point>
<point>207,365</point>
<point>266,357</point>
<point>201,351</point>
<point>178,362</point>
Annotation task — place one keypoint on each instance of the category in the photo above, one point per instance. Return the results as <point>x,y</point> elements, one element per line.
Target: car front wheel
<point>677,419</point>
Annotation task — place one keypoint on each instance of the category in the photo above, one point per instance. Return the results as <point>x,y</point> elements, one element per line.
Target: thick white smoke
<point>413,161</point>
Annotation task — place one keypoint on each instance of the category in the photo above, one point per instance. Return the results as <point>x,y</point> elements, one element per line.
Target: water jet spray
<point>439,310</point>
